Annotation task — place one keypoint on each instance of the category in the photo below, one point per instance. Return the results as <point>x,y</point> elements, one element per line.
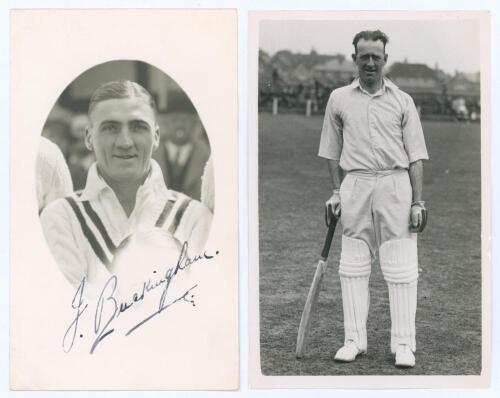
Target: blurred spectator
<point>183,152</point>
<point>57,128</point>
<point>460,109</point>
<point>53,179</point>
<point>79,157</point>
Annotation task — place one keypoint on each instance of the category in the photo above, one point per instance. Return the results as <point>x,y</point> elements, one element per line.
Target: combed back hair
<point>120,90</point>
<point>373,35</point>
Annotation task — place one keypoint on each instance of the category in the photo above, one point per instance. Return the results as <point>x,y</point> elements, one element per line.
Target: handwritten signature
<point>109,306</point>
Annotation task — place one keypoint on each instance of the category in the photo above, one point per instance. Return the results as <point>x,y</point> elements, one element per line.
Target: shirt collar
<point>96,184</point>
<point>386,83</point>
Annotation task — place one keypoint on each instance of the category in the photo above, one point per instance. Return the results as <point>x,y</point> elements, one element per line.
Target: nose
<point>370,62</point>
<point>124,139</point>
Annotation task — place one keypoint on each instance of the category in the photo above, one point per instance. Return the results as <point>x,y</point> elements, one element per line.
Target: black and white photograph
<point>124,247</point>
<point>125,159</point>
<point>369,197</point>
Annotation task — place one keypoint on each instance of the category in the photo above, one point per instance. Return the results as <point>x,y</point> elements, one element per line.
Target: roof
<point>461,85</point>
<point>336,65</point>
<point>403,69</point>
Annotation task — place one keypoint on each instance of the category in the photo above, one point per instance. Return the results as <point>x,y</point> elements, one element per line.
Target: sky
<point>451,44</point>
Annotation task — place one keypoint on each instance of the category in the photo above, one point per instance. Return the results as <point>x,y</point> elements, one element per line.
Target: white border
<point>187,348</point>
<point>257,379</point>
<point>243,6</point>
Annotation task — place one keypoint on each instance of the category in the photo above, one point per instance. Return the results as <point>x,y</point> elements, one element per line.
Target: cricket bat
<point>312,296</point>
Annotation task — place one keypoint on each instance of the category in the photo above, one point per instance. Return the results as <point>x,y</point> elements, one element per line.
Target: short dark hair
<point>120,90</point>
<point>373,35</point>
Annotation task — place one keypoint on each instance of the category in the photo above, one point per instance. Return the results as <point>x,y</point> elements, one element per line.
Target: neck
<point>125,191</point>
<point>371,88</point>
<point>126,194</point>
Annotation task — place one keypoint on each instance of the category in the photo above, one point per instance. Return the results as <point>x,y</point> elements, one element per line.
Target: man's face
<point>123,134</point>
<point>370,60</point>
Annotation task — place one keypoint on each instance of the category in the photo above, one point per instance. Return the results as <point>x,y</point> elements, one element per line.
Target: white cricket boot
<point>404,357</point>
<point>348,352</point>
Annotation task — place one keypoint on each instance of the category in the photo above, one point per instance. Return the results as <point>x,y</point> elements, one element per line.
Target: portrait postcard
<point>369,200</point>
<point>124,210</point>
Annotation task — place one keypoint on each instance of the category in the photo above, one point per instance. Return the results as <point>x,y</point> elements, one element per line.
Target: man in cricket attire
<point>125,194</point>
<point>372,134</point>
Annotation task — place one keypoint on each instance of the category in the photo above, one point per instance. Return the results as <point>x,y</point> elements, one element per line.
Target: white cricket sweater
<point>85,230</point>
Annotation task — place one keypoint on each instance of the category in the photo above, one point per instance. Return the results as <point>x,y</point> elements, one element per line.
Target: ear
<point>386,56</point>
<point>353,57</point>
<point>88,139</point>
<point>156,138</point>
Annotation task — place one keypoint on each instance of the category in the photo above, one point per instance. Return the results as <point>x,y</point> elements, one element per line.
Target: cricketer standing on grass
<point>372,133</point>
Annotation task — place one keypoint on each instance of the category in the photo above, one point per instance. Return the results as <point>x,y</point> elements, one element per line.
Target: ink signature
<point>109,306</point>
<point>78,305</point>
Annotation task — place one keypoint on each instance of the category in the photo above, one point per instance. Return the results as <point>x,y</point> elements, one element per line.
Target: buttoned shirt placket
<point>371,110</point>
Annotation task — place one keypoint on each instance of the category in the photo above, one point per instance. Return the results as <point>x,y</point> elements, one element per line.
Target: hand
<point>334,202</point>
<point>418,216</point>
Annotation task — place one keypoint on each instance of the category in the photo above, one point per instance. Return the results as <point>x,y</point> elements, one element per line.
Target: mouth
<point>124,157</point>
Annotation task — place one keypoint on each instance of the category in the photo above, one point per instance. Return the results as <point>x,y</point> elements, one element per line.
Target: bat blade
<point>312,298</point>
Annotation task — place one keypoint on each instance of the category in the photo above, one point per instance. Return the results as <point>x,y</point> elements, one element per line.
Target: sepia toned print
<point>131,279</point>
<point>121,191</point>
<point>401,126</point>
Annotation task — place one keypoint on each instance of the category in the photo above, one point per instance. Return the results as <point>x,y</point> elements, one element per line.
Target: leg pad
<point>354,271</point>
<point>399,263</point>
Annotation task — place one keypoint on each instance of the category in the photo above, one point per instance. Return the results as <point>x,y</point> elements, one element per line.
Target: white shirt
<point>53,179</point>
<point>380,131</point>
<point>207,185</point>
<point>85,230</point>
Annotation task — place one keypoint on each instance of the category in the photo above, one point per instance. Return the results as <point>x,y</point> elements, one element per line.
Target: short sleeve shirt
<point>364,131</point>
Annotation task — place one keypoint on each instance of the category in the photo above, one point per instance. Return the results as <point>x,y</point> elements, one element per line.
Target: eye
<point>139,127</point>
<point>109,128</point>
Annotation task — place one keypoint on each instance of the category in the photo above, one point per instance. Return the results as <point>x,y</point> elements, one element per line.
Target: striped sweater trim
<point>87,232</point>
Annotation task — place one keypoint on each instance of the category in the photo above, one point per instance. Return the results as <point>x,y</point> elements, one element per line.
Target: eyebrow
<point>109,121</point>
<point>119,122</point>
<point>371,55</point>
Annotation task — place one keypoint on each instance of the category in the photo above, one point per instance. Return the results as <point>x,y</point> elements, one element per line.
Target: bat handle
<point>329,238</point>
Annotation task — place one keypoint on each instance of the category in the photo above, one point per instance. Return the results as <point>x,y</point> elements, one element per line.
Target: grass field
<point>293,185</point>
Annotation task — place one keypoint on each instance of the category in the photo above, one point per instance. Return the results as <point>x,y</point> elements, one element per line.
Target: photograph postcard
<point>369,199</point>
<point>124,210</point>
